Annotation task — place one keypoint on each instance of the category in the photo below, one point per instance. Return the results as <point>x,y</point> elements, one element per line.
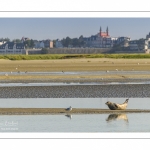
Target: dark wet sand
<point>38,111</point>
<point>77,91</point>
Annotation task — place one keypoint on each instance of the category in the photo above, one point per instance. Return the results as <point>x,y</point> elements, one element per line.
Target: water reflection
<point>69,116</point>
<point>114,117</point>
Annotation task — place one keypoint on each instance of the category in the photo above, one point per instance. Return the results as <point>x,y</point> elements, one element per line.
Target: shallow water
<point>123,122</point>
<point>77,73</point>
<point>139,122</point>
<point>70,83</point>
<point>99,103</point>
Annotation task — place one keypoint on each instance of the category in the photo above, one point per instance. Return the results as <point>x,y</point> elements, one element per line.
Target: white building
<point>48,43</point>
<point>41,44</point>
<point>133,45</point>
<point>100,40</point>
<point>147,46</point>
<point>12,48</point>
<point>58,44</point>
<point>38,44</point>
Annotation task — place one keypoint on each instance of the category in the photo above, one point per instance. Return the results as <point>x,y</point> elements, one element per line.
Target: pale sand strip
<point>30,111</point>
<point>71,77</point>
<point>87,64</point>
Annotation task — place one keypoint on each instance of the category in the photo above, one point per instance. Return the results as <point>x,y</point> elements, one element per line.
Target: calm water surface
<point>139,122</point>
<point>123,122</point>
<point>134,103</point>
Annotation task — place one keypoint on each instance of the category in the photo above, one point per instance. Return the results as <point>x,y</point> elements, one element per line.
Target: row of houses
<point>40,44</point>
<point>137,45</point>
<point>12,48</point>
<point>19,48</point>
<point>100,40</point>
<point>43,44</point>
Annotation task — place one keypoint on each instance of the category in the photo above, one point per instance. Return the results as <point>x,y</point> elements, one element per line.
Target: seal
<point>115,106</point>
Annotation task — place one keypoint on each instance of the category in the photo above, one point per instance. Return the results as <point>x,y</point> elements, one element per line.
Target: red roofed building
<point>104,34</point>
<point>100,40</point>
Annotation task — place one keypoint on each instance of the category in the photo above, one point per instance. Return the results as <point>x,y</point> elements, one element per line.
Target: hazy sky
<point>53,28</point>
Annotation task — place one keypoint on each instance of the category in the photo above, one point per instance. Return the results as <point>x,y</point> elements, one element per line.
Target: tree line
<point>73,42</point>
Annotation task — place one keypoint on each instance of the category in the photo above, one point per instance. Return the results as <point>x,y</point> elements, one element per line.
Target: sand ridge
<point>37,111</point>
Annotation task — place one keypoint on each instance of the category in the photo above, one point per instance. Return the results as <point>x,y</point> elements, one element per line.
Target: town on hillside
<point>101,42</point>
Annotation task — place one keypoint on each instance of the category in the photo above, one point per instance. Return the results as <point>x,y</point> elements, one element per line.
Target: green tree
<point>7,39</point>
<point>17,40</point>
<point>54,43</point>
<point>68,41</point>
<point>63,41</point>
<point>75,42</point>
<point>81,41</point>
<point>4,39</point>
<point>29,43</point>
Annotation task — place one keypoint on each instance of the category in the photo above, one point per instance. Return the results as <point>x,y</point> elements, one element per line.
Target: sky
<point>58,28</point>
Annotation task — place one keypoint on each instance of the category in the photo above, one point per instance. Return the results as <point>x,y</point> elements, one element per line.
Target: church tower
<point>100,31</point>
<point>103,34</point>
<point>107,31</point>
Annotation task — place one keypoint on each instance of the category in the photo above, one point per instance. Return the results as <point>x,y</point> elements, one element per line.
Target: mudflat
<point>77,91</point>
<point>87,64</point>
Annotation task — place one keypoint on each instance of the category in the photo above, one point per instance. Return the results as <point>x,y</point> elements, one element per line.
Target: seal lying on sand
<point>115,106</point>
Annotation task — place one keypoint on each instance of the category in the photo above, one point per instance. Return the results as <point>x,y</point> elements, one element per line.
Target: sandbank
<point>38,111</point>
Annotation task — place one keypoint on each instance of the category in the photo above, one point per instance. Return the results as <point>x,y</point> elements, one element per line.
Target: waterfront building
<point>12,48</point>
<point>133,45</point>
<point>104,40</point>
<point>122,39</point>
<point>58,44</point>
<point>48,44</point>
<point>147,44</point>
<point>43,44</point>
<point>38,44</point>
<point>100,40</point>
